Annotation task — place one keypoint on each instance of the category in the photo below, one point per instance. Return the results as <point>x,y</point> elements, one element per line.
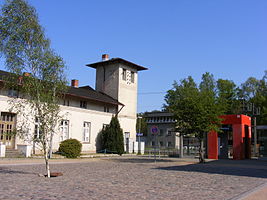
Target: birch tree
<point>25,48</point>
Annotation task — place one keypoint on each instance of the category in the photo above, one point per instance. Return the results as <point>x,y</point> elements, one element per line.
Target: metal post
<point>255,137</point>
<point>181,146</point>
<point>155,148</point>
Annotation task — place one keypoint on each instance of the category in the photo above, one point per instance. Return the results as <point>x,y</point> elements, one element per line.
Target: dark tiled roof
<point>117,60</point>
<point>85,92</point>
<point>158,114</point>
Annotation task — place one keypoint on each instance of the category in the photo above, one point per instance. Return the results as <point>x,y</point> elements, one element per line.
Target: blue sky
<point>173,38</point>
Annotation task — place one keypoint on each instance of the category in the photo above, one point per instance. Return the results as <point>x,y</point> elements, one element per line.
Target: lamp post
<point>139,135</point>
<point>127,136</point>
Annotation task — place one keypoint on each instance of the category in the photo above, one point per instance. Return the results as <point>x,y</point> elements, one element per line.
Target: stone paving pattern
<point>132,178</point>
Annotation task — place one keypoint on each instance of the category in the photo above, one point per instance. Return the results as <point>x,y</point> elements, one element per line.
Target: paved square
<point>133,178</point>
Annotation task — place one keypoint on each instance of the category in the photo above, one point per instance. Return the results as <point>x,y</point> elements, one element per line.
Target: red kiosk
<point>234,141</point>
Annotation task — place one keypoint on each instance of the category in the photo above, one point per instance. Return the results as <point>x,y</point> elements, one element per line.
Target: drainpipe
<point>119,110</point>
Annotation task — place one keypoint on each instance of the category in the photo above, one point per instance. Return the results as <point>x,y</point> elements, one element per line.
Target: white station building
<point>85,110</point>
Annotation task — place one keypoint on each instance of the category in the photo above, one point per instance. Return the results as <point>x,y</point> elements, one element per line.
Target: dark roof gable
<point>117,60</point>
<point>88,93</point>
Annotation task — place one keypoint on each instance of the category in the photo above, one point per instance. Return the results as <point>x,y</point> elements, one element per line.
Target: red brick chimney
<point>105,57</point>
<point>75,83</point>
<point>26,74</point>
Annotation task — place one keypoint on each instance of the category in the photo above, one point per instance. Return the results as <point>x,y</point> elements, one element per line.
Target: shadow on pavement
<point>249,168</point>
<point>140,160</point>
<point>10,171</point>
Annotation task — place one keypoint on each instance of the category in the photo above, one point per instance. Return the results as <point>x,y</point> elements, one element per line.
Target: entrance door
<point>7,125</point>
<point>223,148</point>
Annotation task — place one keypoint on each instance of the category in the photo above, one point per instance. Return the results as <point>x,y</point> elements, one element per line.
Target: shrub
<point>112,137</point>
<point>71,148</point>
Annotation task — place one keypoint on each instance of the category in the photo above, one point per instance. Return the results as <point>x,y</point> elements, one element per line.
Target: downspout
<point>119,110</point>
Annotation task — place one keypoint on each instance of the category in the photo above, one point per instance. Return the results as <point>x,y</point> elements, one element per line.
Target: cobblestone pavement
<point>133,178</point>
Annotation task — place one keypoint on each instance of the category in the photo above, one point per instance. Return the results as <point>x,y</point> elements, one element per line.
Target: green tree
<point>141,123</point>
<point>249,88</point>
<point>26,49</point>
<point>195,108</point>
<point>255,91</point>
<point>227,96</point>
<point>112,137</point>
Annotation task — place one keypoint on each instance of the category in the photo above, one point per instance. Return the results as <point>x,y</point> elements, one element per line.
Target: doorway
<point>7,126</point>
<point>225,142</point>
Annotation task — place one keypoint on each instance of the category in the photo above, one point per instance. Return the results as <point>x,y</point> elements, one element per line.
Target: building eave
<point>117,60</point>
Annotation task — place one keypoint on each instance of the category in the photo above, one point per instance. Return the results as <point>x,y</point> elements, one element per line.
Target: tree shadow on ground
<point>140,160</point>
<point>249,168</point>
<point>10,171</point>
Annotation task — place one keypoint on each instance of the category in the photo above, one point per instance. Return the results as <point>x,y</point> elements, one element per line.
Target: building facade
<point>85,110</point>
<point>165,137</point>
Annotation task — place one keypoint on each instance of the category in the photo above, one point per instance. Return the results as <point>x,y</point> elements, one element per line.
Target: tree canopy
<point>195,107</point>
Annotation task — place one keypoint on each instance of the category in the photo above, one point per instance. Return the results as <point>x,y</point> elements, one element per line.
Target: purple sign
<point>154,130</point>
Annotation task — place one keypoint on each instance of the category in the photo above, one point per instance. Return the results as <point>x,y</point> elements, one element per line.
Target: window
<point>160,131</point>
<point>104,126</point>
<point>124,74</point>
<point>13,93</point>
<point>106,109</point>
<point>1,131</point>
<point>169,144</point>
<point>83,104</point>
<point>37,131</point>
<point>66,102</point>
<point>132,77</point>
<point>161,143</point>
<point>86,131</point>
<point>169,133</point>
<point>7,117</point>
<point>153,143</point>
<point>64,130</point>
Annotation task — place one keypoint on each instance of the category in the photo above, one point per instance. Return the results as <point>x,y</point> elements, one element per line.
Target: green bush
<point>112,137</point>
<point>70,148</point>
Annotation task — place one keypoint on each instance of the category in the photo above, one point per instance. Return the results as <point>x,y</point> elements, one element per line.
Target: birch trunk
<point>47,162</point>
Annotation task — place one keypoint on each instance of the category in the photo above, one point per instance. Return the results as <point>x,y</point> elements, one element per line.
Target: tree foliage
<point>227,93</point>
<point>112,137</point>
<point>141,123</point>
<point>26,49</point>
<point>195,107</point>
<point>254,91</point>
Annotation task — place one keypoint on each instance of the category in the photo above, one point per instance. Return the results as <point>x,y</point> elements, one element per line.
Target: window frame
<point>13,93</point>
<point>132,76</point>
<point>62,127</point>
<point>106,109</point>
<point>124,74</point>
<point>88,128</point>
<point>83,104</point>
<point>37,132</point>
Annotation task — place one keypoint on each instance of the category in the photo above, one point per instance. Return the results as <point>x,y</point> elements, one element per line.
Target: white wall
<point>76,116</point>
